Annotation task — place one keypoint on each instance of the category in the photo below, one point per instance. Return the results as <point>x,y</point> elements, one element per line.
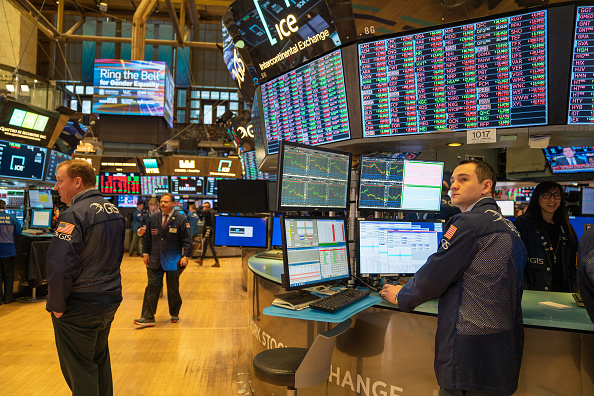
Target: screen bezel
<point>264,245</point>
<point>43,227</point>
<point>358,244</point>
<point>279,206</point>
<point>285,279</point>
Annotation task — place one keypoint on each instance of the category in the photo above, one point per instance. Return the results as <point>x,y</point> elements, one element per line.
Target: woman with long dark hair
<point>550,240</point>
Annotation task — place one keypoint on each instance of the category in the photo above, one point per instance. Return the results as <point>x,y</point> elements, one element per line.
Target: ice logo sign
<point>284,28</point>
<point>225,166</point>
<point>17,163</point>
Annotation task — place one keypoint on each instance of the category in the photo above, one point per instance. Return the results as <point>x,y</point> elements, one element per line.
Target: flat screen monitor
<point>211,185</point>
<point>54,159</point>
<point>487,74</point>
<point>193,185</point>
<point>210,201</point>
<point>13,198</point>
<point>312,178</point>
<point>277,232</point>
<point>127,201</point>
<point>507,208</point>
<point>250,168</point>
<point>396,247</point>
<point>579,224</point>
<point>240,231</point>
<point>307,105</point>
<point>314,251</point>
<point>18,213</point>
<point>119,183</point>
<point>21,161</point>
<point>570,159</point>
<point>394,184</point>
<point>154,185</point>
<point>588,201</point>
<point>40,199</point>
<point>242,196</point>
<point>41,218</point>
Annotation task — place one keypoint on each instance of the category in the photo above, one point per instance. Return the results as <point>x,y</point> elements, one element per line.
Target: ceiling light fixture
<point>25,88</point>
<point>10,87</point>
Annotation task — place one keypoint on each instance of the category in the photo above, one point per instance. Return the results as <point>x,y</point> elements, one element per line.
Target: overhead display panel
<point>307,105</point>
<point>581,101</point>
<point>187,185</point>
<point>24,123</point>
<point>282,34</point>
<point>54,159</point>
<point>126,87</point>
<point>488,74</point>
<point>238,67</point>
<point>21,161</point>
<point>119,164</point>
<point>119,183</point>
<point>250,168</point>
<point>151,185</point>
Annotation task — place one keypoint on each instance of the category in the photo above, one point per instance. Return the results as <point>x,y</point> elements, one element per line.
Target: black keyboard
<point>339,300</point>
<point>274,254</point>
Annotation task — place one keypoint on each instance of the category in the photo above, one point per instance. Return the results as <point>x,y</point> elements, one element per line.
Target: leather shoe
<point>216,264</point>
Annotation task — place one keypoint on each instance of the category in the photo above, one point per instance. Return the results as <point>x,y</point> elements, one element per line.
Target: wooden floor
<point>203,354</point>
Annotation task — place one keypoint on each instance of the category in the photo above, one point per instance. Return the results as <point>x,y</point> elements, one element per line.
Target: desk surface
<point>576,318</point>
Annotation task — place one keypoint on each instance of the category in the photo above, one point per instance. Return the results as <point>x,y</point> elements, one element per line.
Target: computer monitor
<point>127,201</point>
<point>570,159</point>
<point>40,199</point>
<point>153,185</point>
<point>240,231</point>
<point>18,213</point>
<point>277,232</point>
<point>119,183</point>
<point>41,218</point>
<point>312,178</point>
<point>395,184</point>
<point>242,196</point>
<point>507,208</point>
<point>396,247</point>
<point>191,185</point>
<point>588,201</point>
<point>13,198</point>
<point>314,251</point>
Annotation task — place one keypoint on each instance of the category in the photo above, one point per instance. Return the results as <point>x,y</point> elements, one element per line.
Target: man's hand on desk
<point>390,293</point>
<point>58,314</point>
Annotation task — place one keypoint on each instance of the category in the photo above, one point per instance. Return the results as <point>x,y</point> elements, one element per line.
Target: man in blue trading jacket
<point>135,249</point>
<point>585,270</point>
<point>193,219</point>
<point>167,242</point>
<point>84,282</point>
<point>9,229</point>
<point>477,276</point>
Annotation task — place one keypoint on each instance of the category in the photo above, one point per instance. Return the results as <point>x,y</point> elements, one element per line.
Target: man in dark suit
<point>167,242</point>
<point>569,158</point>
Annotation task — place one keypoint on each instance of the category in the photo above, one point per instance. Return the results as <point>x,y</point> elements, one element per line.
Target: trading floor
<point>203,354</point>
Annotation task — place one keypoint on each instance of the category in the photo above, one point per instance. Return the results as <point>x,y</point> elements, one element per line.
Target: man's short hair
<point>483,172</point>
<point>80,168</point>
<point>153,201</point>
<point>2,204</point>
<point>171,197</point>
<point>193,206</point>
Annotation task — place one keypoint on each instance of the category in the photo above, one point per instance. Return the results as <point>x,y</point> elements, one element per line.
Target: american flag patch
<point>451,232</point>
<point>187,225</point>
<point>65,228</point>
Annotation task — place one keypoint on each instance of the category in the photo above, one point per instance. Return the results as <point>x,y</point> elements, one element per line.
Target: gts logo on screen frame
<point>289,22</point>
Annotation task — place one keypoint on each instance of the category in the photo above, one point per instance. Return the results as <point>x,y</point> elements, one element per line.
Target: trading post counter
<point>390,353</point>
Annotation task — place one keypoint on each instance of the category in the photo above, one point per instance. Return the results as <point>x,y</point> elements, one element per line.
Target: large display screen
<point>242,196</point>
<point>250,168</point>
<point>312,178</point>
<point>54,158</point>
<point>127,201</point>
<point>570,159</point>
<point>119,183</point>
<point>393,184</point>
<point>13,198</point>
<point>581,101</point>
<point>187,185</point>
<point>315,251</point>
<point>153,185</point>
<point>21,161</point>
<point>24,123</point>
<point>490,74</point>
<point>237,67</point>
<point>127,87</point>
<point>240,231</point>
<point>396,247</point>
<point>307,105</point>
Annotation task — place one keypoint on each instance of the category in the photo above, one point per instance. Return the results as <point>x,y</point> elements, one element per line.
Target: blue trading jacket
<point>165,245</point>
<point>136,220</point>
<point>84,257</point>
<point>9,228</point>
<point>585,270</point>
<point>193,218</point>
<point>477,276</point>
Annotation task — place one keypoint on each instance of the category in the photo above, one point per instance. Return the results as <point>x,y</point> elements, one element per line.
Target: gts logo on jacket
<point>536,260</point>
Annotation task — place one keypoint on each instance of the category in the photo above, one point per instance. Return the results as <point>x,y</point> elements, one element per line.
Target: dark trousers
<point>153,288</point>
<point>135,247</point>
<point>457,392</point>
<point>208,242</point>
<point>7,276</point>
<point>81,341</point>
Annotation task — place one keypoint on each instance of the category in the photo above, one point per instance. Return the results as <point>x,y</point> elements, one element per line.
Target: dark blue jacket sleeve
<point>443,268</point>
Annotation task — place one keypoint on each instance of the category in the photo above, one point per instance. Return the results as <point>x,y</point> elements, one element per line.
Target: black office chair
<point>299,367</point>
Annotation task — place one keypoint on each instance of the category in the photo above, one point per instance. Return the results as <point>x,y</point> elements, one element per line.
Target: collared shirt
<point>73,199</point>
<point>472,206</point>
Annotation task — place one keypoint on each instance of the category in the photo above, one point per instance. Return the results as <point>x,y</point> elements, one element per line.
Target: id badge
<point>173,230</point>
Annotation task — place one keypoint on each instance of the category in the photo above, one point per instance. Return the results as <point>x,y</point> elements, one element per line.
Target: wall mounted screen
<point>250,167</point>
<point>127,201</point>
<point>54,158</point>
<point>393,184</point>
<point>312,178</point>
<point>588,201</point>
<point>151,185</point>
<point>187,185</point>
<point>242,196</point>
<point>490,74</point>
<point>240,231</point>
<point>570,159</point>
<point>307,105</point>
<point>41,199</point>
<point>21,161</point>
<point>581,101</point>
<point>396,247</point>
<point>119,183</point>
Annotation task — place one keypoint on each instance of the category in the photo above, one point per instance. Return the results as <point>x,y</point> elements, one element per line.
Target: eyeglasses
<point>548,195</point>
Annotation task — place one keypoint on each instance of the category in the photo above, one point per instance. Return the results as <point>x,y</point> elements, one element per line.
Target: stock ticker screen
<point>187,185</point>
<point>581,101</point>
<point>490,74</point>
<point>119,183</point>
<point>151,185</point>
<point>307,105</point>
<point>251,168</point>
